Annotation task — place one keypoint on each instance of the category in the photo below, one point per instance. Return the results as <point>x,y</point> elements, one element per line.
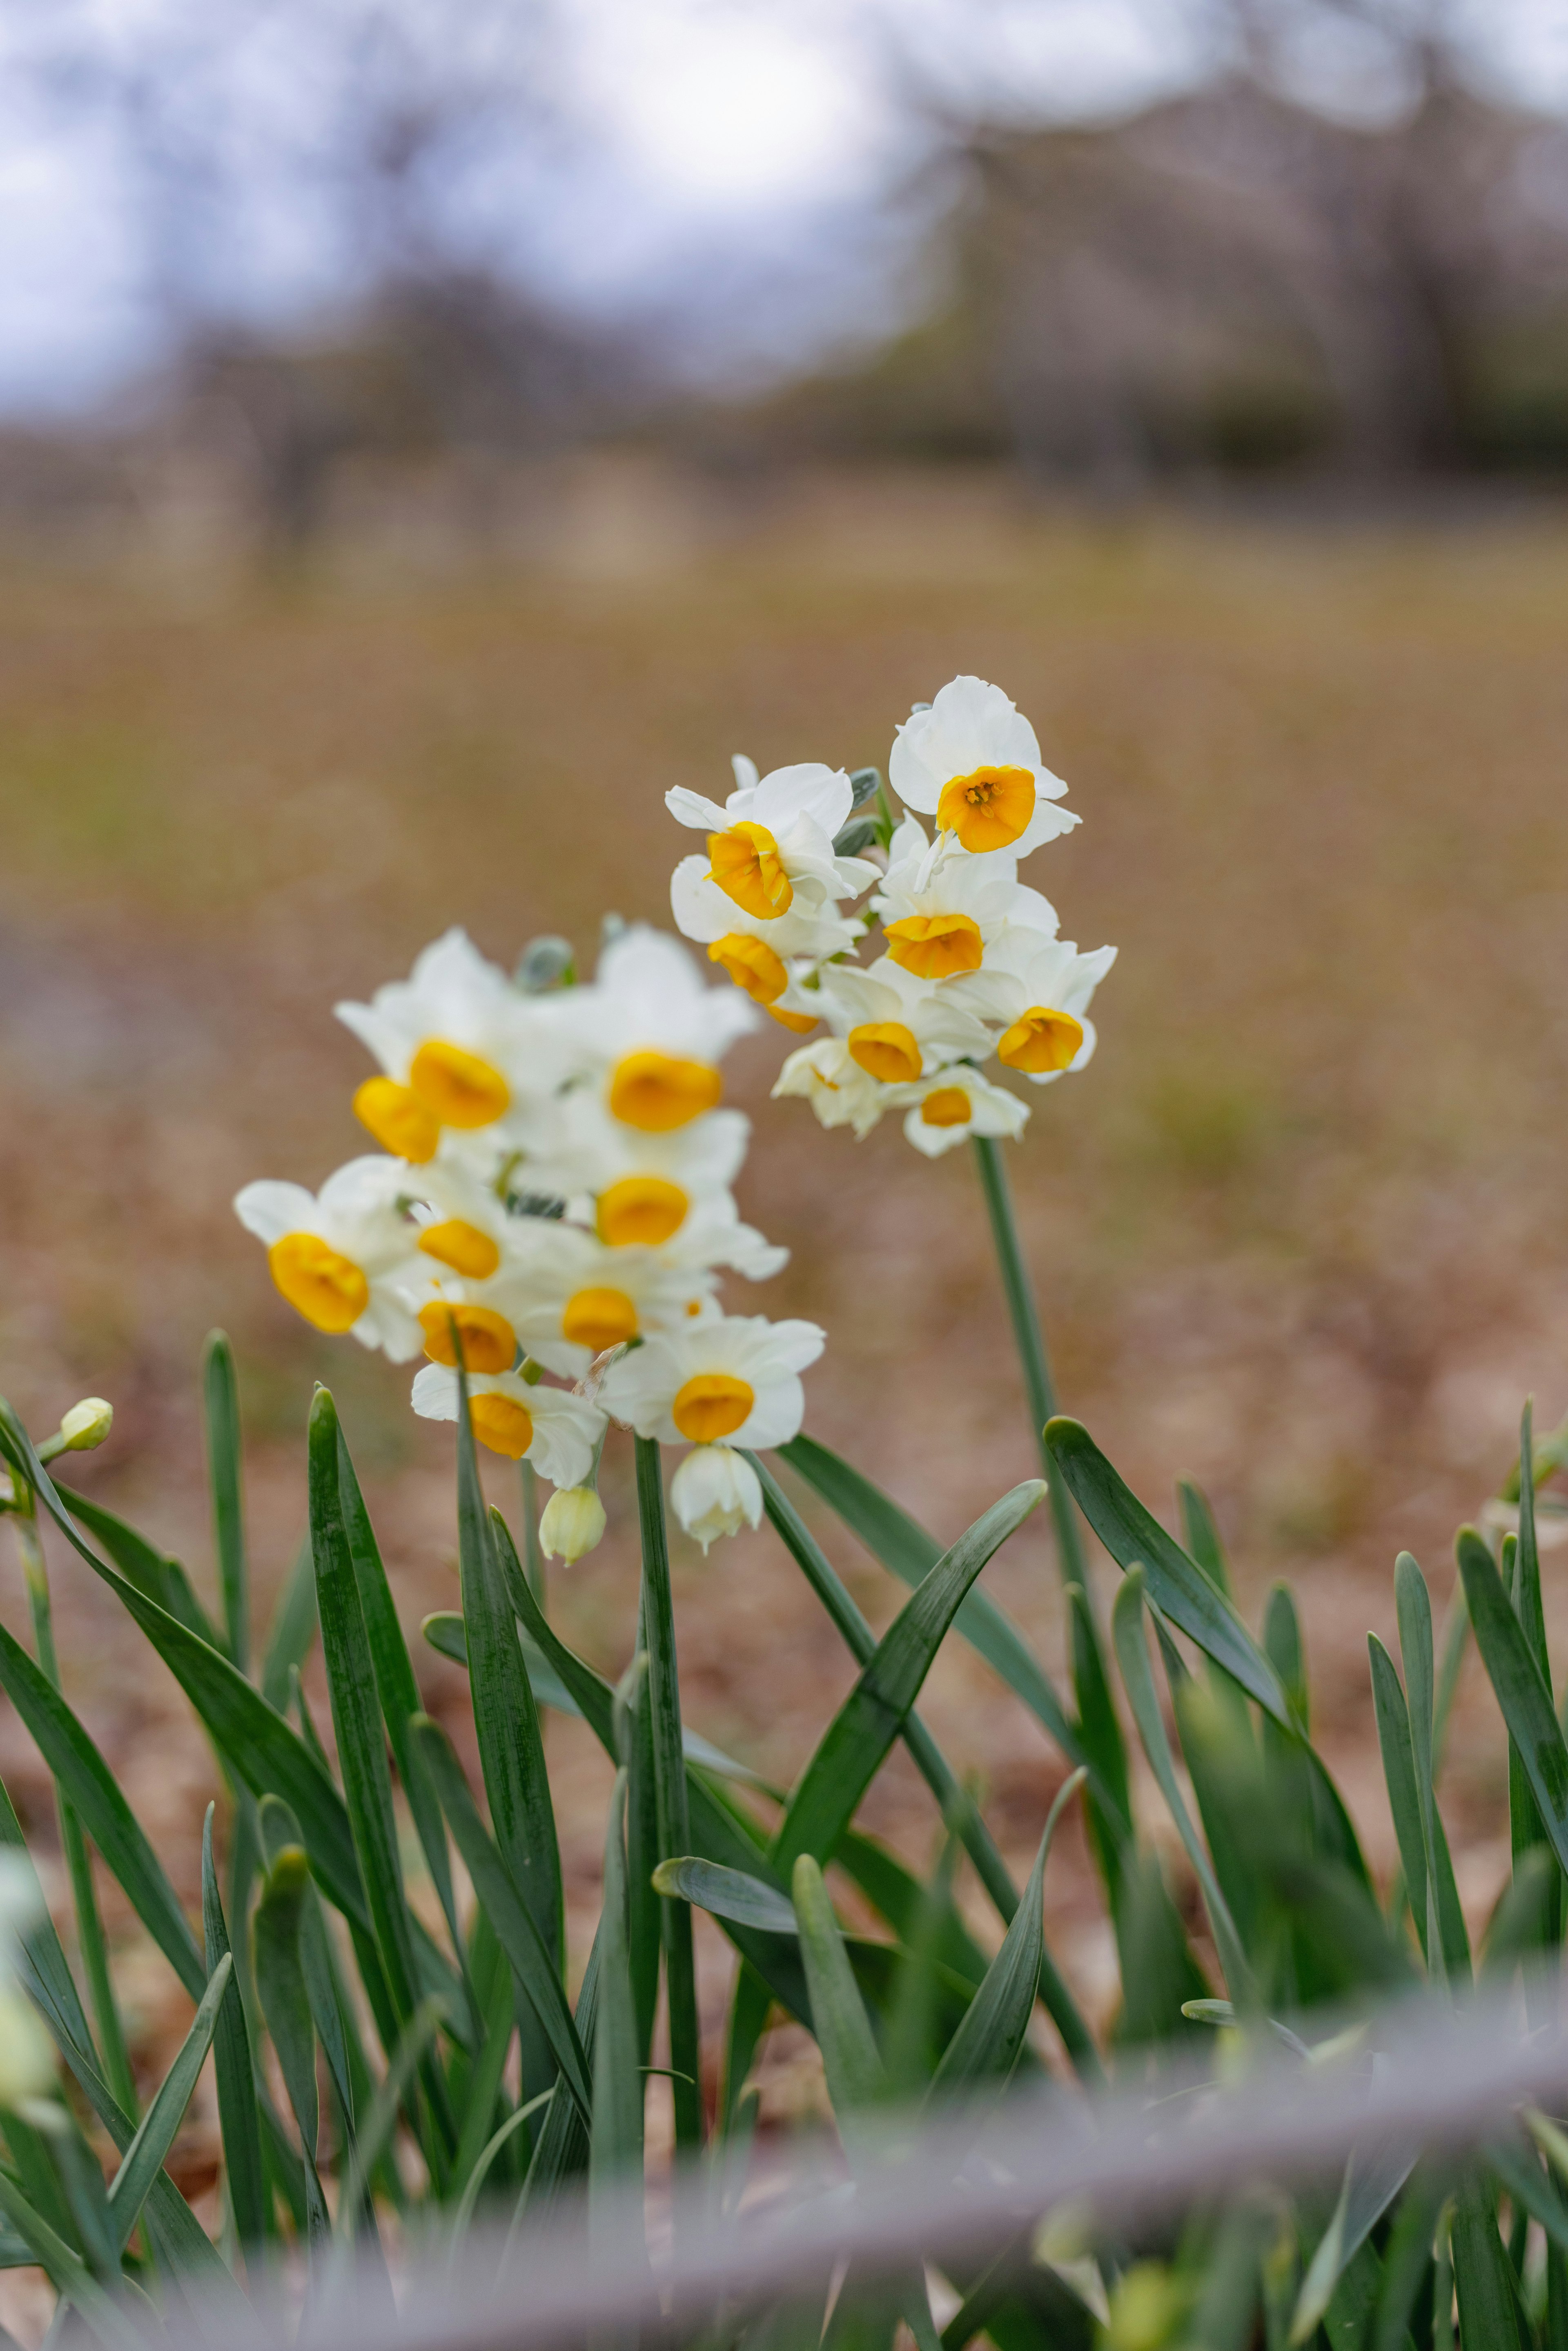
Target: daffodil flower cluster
<point>550,1206</point>
<point>971,965</point>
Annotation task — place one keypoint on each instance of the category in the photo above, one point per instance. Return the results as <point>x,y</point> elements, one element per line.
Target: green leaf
<point>988,2042</point>
<point>725,1894</point>
<point>1525,1915</point>
<point>479,2171</point>
<point>286,2004</point>
<point>356,1713</point>
<point>644,1902</point>
<point>1415,1615</point>
<point>396,1687</point>
<point>1203,1542</point>
<point>237,2118</point>
<point>1137,1678</point>
<point>68,2273</point>
<point>1521,1695</point>
<point>906,1551</point>
<point>615,2145</point>
<point>485,2081</point>
<point>251,1736</point>
<point>1488,2297</point>
<point>143,2159</point>
<point>1399,1774</point>
<point>856,1741</point>
<point>1180,1590</point>
<point>663,1699</point>
<point>1373,2179</point>
<point>86,1779</point>
<point>1407,2254</point>
<point>861,1641</point>
<point>1527,1568</point>
<point>1283,1647</point>
<point>850,2055</point>
<point>219,1398</point>
<point>534,1966</point>
<point>293,1630</point>
<point>279,1836</point>
<point>379,2120</point>
<point>148,1569</point>
<point>506,1719</point>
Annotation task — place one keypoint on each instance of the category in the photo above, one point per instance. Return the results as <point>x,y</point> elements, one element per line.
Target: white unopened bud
<point>86,1425</point>
<point>27,2053</point>
<point>571,1522</point>
<point>716,1492</point>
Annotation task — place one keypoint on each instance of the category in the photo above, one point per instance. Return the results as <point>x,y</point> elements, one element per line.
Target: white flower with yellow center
<point>972,761</point>
<point>759,952</point>
<point>632,1184</point>
<point>1037,992</point>
<point>564,1296</point>
<point>347,1258</point>
<point>958,1102</point>
<point>898,1028</point>
<point>462,1224</point>
<point>940,912</point>
<point>841,1094</point>
<point>731,1380</point>
<point>550,1427</point>
<point>649,1034</point>
<point>771,844</point>
<point>457,1044</point>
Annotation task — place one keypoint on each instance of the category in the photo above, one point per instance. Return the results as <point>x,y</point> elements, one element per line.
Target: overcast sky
<point>730,153</point>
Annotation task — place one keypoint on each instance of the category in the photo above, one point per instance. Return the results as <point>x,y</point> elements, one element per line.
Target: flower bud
<point>86,1425</point>
<point>714,1492</point>
<point>27,2053</point>
<point>573,1522</point>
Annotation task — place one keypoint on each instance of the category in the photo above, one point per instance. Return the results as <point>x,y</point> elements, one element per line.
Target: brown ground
<point>1299,1232</point>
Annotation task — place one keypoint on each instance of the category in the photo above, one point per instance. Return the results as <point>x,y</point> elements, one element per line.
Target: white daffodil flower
<point>735,1380</point>
<point>566,1296</point>
<point>1037,991</point>
<point>347,1258</point>
<point>650,1034</point>
<point>28,2063</point>
<point>632,1184</point>
<point>756,951</point>
<point>941,913</point>
<point>958,1102</point>
<point>458,1044</point>
<point>550,1427</point>
<point>826,1074</point>
<point>771,844</point>
<point>898,1028</point>
<point>716,1491</point>
<point>461,1223</point>
<point>973,762</point>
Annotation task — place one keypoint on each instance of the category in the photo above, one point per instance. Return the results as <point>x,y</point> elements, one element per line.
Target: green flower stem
<point>663,1695</point>
<point>1039,1386</point>
<point>91,1937</point>
<point>533,1554</point>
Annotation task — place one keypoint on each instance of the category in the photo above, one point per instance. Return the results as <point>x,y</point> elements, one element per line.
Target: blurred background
<point>428,433</point>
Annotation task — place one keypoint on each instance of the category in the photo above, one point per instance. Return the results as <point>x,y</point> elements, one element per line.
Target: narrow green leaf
<point>615,2147</point>
<point>285,2003</point>
<point>279,1836</point>
<point>533,1965</point>
<point>237,2118</point>
<point>396,1687</point>
<point>1203,1543</point>
<point>143,2159</point>
<point>1413,1608</point>
<point>989,2041</point>
<point>152,1570</point>
<point>1521,1695</point>
<point>479,2171</point>
<point>86,1779</point>
<point>68,2273</point>
<point>664,1702</point>
<point>850,2055</point>
<point>1373,2179</point>
<point>1137,1678</point>
<point>725,1894</point>
<point>252,1737</point>
<point>506,1719</point>
<point>1488,2297</point>
<point>856,1741</point>
<point>219,1398</point>
<point>1399,1774</point>
<point>1525,1915</point>
<point>485,2081</point>
<point>1407,2254</point>
<point>861,1641</point>
<point>1283,1647</point>
<point>356,1713</point>
<point>293,1629</point>
<point>380,2121</point>
<point>1528,1566</point>
<point>1135,1538</point>
<point>906,1551</point>
<point>644,1902</point>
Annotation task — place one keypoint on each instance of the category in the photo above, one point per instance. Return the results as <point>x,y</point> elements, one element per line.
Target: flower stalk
<point>663,1694</point>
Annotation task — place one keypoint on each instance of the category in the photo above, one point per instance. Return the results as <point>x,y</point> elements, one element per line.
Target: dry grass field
<point>1301,1231</point>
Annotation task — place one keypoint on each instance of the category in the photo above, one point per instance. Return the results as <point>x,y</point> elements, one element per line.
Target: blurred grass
<point>1299,1231</point>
